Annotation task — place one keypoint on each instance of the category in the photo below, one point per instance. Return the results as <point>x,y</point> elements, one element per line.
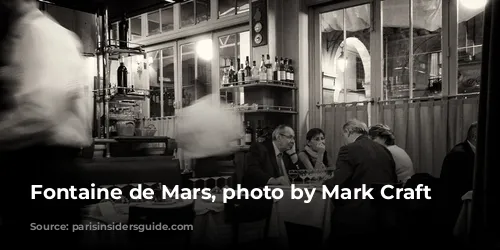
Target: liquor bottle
<point>262,70</point>
<point>269,67</point>
<point>255,71</point>
<point>248,133</point>
<point>276,67</point>
<point>232,73</point>
<point>248,70</point>
<point>241,74</point>
<point>281,71</point>
<point>122,78</point>
<point>122,32</point>
<point>290,74</point>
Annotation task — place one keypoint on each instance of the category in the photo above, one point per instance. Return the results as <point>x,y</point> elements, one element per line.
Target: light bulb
<point>474,4</point>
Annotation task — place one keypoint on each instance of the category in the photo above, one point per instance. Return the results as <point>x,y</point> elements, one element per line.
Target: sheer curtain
<point>334,117</point>
<point>426,129</point>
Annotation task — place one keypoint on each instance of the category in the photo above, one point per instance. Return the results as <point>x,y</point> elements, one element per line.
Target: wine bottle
<point>122,78</point>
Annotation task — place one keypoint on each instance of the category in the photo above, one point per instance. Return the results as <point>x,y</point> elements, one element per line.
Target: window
<point>167,19</point>
<point>412,58</point>
<point>194,12</point>
<point>195,70</point>
<point>231,48</point>
<point>470,37</point>
<point>161,82</point>
<point>346,60</point>
<point>233,7</point>
<point>135,28</point>
<point>154,23</point>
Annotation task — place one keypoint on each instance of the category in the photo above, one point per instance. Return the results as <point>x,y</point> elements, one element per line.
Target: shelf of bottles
<point>250,80</point>
<point>269,92</point>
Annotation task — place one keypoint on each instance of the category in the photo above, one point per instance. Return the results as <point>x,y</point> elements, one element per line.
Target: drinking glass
<point>225,181</point>
<point>293,174</point>
<point>205,179</point>
<point>216,189</point>
<point>303,175</point>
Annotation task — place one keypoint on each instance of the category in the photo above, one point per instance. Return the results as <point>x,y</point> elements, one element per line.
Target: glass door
<point>195,69</point>
<point>162,79</point>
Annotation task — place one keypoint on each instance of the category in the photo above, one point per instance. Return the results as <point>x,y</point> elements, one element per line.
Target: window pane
<point>154,84</point>
<point>188,74</point>
<point>168,82</point>
<point>167,19</point>
<point>227,7</point>
<point>114,34</point>
<point>346,64</point>
<point>202,10</point>
<point>243,6</point>
<point>135,28</point>
<point>187,14</point>
<point>396,49</point>
<point>470,43</point>
<point>153,23</point>
<point>427,52</point>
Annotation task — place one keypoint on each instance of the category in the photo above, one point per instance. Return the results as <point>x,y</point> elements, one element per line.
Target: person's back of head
<point>382,134</point>
<point>354,128</point>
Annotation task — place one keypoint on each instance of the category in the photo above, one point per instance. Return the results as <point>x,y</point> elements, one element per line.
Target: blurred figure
<point>362,161</point>
<point>404,166</point>
<point>457,174</point>
<point>44,119</point>
<point>314,155</point>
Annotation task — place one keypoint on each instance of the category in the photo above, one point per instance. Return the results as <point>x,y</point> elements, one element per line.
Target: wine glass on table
<point>226,177</point>
<point>293,174</point>
<point>216,189</point>
<point>303,175</point>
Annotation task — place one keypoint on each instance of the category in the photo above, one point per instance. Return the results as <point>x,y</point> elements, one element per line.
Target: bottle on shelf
<point>122,78</point>
<point>255,71</point>
<point>276,67</point>
<point>232,73</point>
<point>248,70</point>
<point>281,70</point>
<point>241,74</point>
<point>290,74</point>
<point>269,67</point>
<point>248,133</point>
<point>263,70</point>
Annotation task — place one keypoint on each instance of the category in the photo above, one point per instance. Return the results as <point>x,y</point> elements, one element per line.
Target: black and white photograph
<point>249,124</point>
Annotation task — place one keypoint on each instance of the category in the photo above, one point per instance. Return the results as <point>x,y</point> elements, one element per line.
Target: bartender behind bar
<point>44,121</point>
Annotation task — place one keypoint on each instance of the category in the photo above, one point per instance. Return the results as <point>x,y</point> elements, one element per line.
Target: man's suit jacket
<point>262,165</point>
<point>361,162</point>
<point>456,179</point>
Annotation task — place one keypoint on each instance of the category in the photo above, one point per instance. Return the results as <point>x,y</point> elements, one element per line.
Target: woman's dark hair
<point>314,132</point>
<point>384,132</point>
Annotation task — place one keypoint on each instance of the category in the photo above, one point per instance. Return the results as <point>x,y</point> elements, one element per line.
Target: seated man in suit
<point>361,162</point>
<point>268,163</point>
<point>457,177</point>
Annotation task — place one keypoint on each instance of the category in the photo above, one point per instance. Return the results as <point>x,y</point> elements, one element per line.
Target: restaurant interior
<point>414,65</point>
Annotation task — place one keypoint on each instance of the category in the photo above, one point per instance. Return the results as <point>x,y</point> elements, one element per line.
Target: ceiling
<point>116,8</point>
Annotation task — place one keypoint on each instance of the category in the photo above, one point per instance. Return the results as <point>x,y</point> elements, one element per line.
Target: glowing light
<point>474,4</point>
<point>204,49</point>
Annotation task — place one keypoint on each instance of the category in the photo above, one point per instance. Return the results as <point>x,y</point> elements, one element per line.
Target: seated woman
<point>314,155</point>
<point>404,166</point>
